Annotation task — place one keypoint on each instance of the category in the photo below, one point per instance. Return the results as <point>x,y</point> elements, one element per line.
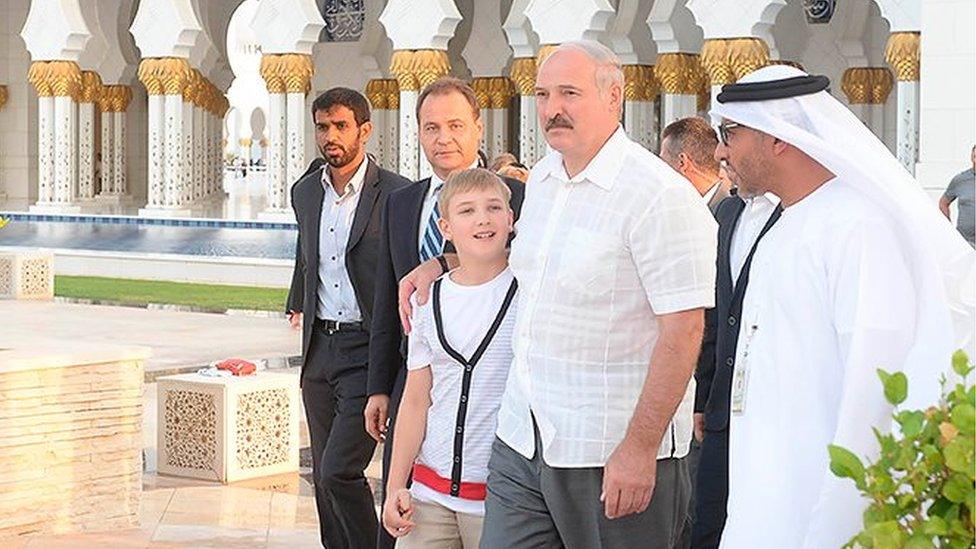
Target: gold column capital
<point>39,76</point>
<point>91,87</point>
<point>500,92</point>
<point>544,52</point>
<point>246,141</point>
<point>882,82</point>
<point>678,73</point>
<point>479,85</point>
<point>164,75</point>
<point>3,96</point>
<point>415,69</point>
<point>726,60</point>
<point>193,87</point>
<point>392,90</point>
<point>297,70</point>
<point>856,85</point>
<point>639,83</point>
<point>522,74</point>
<point>376,93</point>
<point>903,54</point>
<point>272,72</point>
<point>65,79</point>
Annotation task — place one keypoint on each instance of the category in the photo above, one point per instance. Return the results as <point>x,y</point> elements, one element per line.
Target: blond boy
<point>459,354</point>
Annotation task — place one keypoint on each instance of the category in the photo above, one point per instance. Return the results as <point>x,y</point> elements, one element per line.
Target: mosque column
<point>902,53</point>
<point>856,85</point>
<point>415,69</point>
<point>479,85</point>
<point>91,87</point>
<point>190,170</point>
<point>680,77</point>
<point>165,79</point>
<point>39,77</point>
<point>522,75</point>
<point>500,94</point>
<point>392,124</point>
<point>298,71</point>
<point>881,84</point>
<point>725,60</point>
<point>66,83</point>
<point>106,177</point>
<point>273,74</point>
<point>376,94</point>
<point>113,104</point>
<point>194,136</point>
<point>640,90</point>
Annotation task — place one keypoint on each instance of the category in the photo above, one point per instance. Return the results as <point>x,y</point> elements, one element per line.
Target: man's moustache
<point>558,122</point>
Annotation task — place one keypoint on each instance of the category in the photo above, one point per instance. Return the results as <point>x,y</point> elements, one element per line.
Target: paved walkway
<point>177,339</point>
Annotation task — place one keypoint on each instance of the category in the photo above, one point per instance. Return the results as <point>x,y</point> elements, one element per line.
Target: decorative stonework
<point>262,428</point>
<point>55,78</point>
<point>903,54</point>
<point>228,429</point>
<point>3,96</point>
<point>729,59</point>
<point>522,74</point>
<point>376,93</point>
<point>867,85</point>
<point>415,69</point>
<point>190,430</point>
<point>678,73</point>
<point>91,87</point>
<point>640,83</point>
<point>27,275</point>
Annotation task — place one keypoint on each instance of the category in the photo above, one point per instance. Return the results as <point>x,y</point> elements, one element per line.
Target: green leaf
<point>845,464</point>
<point>957,488</point>
<point>935,526</point>
<point>911,423</point>
<point>964,417</point>
<point>960,363</point>
<point>939,507</point>
<point>956,455</point>
<point>886,535</point>
<point>920,541</point>
<point>895,387</point>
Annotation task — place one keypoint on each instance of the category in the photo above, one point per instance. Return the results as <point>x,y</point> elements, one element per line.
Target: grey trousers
<point>532,505</point>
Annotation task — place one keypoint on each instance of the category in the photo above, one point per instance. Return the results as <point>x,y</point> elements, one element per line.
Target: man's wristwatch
<point>444,266</point>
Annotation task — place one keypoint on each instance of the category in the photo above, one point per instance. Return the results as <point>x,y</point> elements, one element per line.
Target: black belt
<point>332,326</point>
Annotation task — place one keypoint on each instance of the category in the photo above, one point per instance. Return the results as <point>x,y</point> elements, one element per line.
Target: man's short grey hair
<point>609,72</point>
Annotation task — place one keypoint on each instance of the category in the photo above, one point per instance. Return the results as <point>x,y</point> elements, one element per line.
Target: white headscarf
<point>944,264</point>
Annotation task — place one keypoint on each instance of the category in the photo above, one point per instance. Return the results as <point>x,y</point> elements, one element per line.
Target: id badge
<point>740,378</point>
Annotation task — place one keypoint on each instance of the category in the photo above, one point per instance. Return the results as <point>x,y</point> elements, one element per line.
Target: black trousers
<point>383,539</point>
<point>334,392</point>
<point>711,490</point>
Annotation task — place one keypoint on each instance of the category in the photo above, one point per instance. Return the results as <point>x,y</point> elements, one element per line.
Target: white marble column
<point>376,94</point>
<point>119,185</point>
<point>409,160</point>
<point>157,151</point>
<point>189,170</point>
<point>173,194</point>
<point>902,52</point>
<point>45,149</point>
<point>677,106</point>
<point>908,124</point>
<point>499,133</point>
<point>295,121</point>
<point>679,75</point>
<point>277,155</point>
<point>65,150</point>
<point>86,150</point>
<point>528,128</point>
<point>392,127</point>
<point>108,154</point>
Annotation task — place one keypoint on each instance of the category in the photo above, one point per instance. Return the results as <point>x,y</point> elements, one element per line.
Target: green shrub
<point>921,486</point>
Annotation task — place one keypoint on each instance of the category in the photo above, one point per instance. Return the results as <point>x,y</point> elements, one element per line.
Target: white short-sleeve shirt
<point>467,314</point>
<point>598,257</point>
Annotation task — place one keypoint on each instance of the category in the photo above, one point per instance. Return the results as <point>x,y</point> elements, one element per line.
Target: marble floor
<point>270,512</point>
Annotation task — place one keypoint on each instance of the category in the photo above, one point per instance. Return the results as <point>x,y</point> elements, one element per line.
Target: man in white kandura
<point>860,272</point>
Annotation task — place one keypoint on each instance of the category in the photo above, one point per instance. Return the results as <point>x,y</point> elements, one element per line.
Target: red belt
<point>428,477</point>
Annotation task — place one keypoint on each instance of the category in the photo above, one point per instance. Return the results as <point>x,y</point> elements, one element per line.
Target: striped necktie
<point>433,242</point>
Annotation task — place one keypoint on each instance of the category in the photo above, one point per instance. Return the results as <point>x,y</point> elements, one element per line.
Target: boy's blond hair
<point>474,179</point>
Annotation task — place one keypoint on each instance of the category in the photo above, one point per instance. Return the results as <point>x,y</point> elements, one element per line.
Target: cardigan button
<point>730,361</point>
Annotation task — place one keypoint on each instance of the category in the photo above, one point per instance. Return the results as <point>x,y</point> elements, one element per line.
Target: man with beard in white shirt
<point>859,272</point>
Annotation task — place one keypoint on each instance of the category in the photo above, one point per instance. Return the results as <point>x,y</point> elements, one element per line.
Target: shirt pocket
<point>588,262</point>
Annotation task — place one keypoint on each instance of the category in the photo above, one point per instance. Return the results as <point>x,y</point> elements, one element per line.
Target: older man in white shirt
<point>616,261</point>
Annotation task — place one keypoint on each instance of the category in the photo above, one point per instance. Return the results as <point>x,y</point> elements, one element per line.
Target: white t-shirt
<point>467,313</point>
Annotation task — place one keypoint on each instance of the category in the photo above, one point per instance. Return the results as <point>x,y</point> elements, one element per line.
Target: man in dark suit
<point>742,224</point>
<point>450,130</point>
<point>338,211</point>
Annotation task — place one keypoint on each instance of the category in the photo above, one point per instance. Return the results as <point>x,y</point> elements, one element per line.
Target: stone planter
<point>227,428</point>
<point>26,275</point>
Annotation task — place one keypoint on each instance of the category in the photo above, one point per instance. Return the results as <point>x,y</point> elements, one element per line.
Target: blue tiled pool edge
<point>133,220</point>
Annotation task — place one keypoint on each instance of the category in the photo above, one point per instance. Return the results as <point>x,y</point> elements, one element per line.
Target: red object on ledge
<point>237,366</point>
